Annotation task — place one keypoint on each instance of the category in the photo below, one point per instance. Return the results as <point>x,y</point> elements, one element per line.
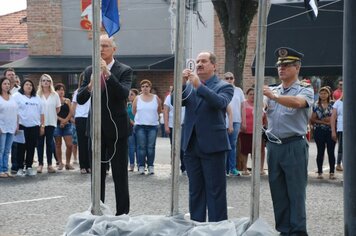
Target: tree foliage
<point>235,18</point>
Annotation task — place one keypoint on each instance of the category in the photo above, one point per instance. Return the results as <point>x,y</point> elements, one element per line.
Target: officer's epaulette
<point>305,84</point>
<point>273,85</point>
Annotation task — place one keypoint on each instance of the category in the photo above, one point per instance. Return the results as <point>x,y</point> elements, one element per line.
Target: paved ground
<point>41,205</point>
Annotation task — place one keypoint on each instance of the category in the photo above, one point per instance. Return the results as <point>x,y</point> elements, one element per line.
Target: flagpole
<point>96,108</point>
<point>177,105</point>
<point>257,128</point>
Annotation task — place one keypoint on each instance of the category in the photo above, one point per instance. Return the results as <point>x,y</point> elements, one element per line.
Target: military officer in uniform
<point>288,108</point>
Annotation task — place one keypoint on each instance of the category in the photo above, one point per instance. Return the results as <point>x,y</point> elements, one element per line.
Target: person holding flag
<point>116,81</point>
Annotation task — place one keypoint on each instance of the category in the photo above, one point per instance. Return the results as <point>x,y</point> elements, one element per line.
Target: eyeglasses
<point>229,78</point>
<point>46,80</point>
<point>105,46</point>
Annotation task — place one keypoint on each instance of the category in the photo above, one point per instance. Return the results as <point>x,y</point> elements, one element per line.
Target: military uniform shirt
<point>285,122</point>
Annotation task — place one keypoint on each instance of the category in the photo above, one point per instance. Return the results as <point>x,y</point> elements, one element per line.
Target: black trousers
<point>119,171</point>
<point>49,130</point>
<point>31,138</point>
<point>323,138</point>
<point>83,142</point>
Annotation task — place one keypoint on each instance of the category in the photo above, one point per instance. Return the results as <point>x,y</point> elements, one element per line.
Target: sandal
<point>9,175</point>
<point>83,171</point>
<point>60,166</point>
<point>39,169</point>
<point>69,167</point>
<point>50,169</point>
<point>3,175</point>
<point>332,176</point>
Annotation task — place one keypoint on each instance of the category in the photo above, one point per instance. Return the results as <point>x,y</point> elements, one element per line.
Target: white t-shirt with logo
<point>30,110</point>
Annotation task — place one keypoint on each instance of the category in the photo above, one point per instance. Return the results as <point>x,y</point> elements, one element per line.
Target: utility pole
<point>96,113</point>
<point>189,30</point>
<point>257,128</point>
<point>349,133</point>
<point>179,64</point>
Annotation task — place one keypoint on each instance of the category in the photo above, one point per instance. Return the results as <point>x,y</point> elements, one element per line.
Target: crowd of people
<point>287,124</point>
<point>216,124</point>
<point>56,118</point>
<point>32,117</point>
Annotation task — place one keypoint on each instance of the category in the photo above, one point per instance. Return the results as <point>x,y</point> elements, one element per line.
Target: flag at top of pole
<point>110,16</point>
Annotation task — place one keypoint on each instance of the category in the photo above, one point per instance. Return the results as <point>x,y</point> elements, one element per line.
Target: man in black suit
<point>115,86</point>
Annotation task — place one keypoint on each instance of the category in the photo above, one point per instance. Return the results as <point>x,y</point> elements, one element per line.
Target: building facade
<point>60,40</point>
<point>13,37</point>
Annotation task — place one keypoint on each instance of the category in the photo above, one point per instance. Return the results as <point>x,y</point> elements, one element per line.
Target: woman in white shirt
<point>31,120</point>
<point>51,105</point>
<point>146,108</point>
<point>8,125</point>
<point>81,116</point>
<point>337,129</point>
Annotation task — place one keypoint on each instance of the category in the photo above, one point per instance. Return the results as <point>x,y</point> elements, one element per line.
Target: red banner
<point>86,15</point>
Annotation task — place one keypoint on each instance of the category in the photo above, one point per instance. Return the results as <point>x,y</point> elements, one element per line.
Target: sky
<point>8,6</point>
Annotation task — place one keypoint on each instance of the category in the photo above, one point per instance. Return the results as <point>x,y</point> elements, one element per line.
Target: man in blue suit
<point>205,138</point>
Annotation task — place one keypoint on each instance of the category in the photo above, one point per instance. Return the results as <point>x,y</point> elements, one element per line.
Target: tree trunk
<point>235,18</point>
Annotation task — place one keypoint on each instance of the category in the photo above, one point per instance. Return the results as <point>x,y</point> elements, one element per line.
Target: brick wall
<point>219,49</point>
<point>160,81</point>
<point>44,19</point>
<point>219,46</point>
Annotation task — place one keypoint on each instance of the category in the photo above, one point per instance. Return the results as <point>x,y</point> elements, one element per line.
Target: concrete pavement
<point>41,205</point>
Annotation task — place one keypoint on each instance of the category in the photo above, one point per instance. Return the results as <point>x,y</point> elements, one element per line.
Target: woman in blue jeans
<point>8,125</point>
<point>146,108</point>
<point>320,119</point>
<point>64,128</point>
<point>233,123</point>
